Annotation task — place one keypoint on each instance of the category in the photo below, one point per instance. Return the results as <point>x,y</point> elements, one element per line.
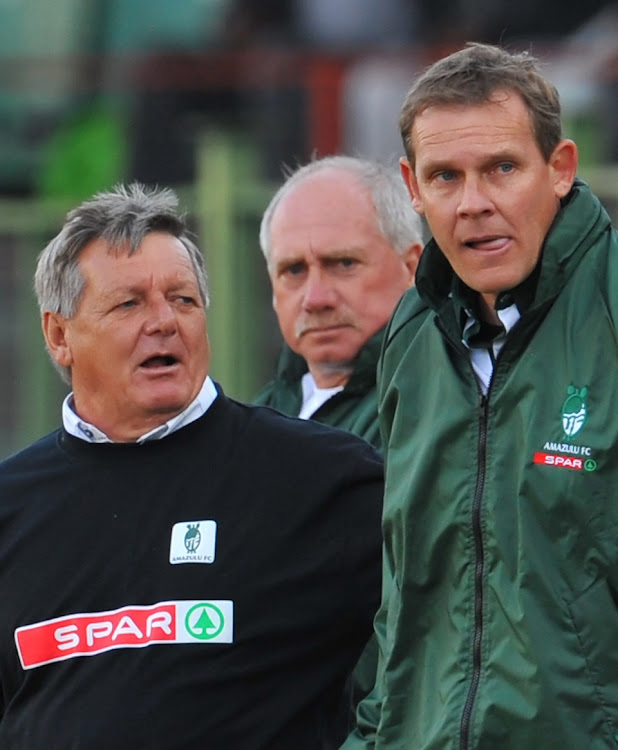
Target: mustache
<point>319,320</point>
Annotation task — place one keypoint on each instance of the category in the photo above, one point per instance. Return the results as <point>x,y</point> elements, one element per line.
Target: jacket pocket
<point>595,618</point>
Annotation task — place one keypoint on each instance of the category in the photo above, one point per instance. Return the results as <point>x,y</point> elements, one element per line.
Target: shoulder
<point>312,458</point>
<point>410,311</point>
<point>284,390</point>
<point>29,467</point>
<point>595,278</point>
<point>309,469</point>
<point>607,275</point>
<point>307,438</point>
<point>37,454</point>
<point>264,397</point>
<point>409,317</point>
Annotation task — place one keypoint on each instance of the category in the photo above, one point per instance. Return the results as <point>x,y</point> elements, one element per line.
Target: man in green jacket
<point>341,242</point>
<point>497,396</point>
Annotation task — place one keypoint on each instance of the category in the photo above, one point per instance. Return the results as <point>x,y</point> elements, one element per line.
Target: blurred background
<point>214,98</point>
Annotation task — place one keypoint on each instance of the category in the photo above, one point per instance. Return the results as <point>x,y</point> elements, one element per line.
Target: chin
<point>167,405</point>
<point>336,363</point>
<point>333,354</point>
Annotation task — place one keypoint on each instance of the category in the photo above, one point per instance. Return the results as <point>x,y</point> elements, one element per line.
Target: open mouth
<point>159,361</point>
<point>487,243</point>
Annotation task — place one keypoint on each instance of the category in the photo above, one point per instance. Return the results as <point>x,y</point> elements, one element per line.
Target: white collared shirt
<point>482,361</point>
<point>79,428</point>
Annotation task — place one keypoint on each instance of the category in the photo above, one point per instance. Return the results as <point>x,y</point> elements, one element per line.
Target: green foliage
<point>85,155</point>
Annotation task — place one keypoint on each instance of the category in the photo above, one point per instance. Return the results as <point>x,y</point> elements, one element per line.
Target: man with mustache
<point>341,243</point>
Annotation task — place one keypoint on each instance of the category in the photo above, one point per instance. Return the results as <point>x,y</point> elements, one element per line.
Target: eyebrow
<point>289,260</point>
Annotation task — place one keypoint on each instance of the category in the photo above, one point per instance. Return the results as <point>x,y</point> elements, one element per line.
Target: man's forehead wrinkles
<point>110,288</point>
<point>465,132</point>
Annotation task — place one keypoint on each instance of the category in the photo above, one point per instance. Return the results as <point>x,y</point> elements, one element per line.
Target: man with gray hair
<point>174,573</point>
<point>341,243</point>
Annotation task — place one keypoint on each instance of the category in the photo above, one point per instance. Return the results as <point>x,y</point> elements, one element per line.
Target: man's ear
<point>563,165</point>
<point>55,333</point>
<point>407,172</point>
<point>410,258</point>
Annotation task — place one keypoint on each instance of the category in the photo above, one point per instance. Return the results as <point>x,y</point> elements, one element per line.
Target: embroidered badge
<point>568,455</point>
<point>574,410</point>
<point>193,537</point>
<point>193,542</point>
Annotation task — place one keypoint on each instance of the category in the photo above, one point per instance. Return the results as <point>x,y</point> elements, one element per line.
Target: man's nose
<point>161,317</point>
<point>474,198</point>
<point>318,292</point>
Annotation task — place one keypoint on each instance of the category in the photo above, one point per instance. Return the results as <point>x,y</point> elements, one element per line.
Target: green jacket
<point>354,409</point>
<point>499,623</point>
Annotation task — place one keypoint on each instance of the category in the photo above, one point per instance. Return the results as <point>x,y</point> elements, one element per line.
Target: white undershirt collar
<point>314,397</point>
<point>91,434</point>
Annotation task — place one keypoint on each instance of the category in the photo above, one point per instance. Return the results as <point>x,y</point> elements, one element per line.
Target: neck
<point>487,309</point>
<point>127,429</point>
<point>330,376</point>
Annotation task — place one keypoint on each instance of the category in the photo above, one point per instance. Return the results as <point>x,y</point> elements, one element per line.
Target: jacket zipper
<point>479,565</point>
<point>479,556</point>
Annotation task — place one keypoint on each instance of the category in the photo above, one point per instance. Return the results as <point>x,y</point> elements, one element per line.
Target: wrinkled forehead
<point>158,255</point>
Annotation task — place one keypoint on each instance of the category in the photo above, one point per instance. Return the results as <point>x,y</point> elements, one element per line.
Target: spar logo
<point>88,634</point>
<point>566,456</point>
<point>561,462</point>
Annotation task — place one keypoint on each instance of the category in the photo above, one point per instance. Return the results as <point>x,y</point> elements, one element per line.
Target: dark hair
<point>473,75</point>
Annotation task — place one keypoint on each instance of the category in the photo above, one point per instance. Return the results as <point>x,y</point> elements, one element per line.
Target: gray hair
<point>397,220</point>
<point>122,217</point>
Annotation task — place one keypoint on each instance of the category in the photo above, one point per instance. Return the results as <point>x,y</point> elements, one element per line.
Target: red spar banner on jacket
<point>562,462</point>
<point>87,634</point>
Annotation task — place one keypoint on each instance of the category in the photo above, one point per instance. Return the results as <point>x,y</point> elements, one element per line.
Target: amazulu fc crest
<point>574,410</point>
<point>193,542</point>
<point>193,537</point>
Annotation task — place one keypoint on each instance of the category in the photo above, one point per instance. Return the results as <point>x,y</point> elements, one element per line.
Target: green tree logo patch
<point>574,410</point>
